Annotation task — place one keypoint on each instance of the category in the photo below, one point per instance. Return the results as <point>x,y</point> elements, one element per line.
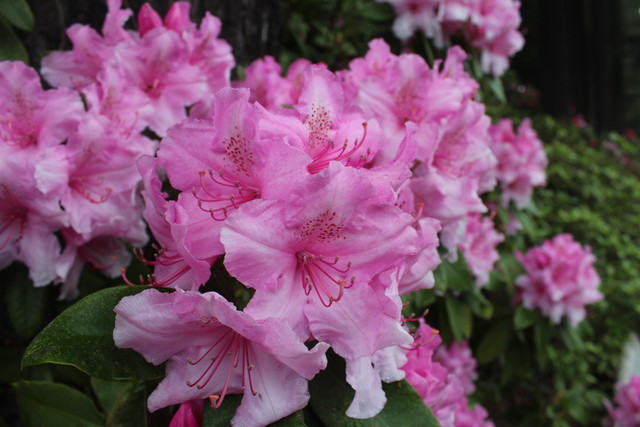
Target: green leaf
<point>524,318</point>
<point>49,404</point>
<point>377,12</point>
<point>294,420</point>
<point>495,84</point>
<point>480,305</point>
<point>9,364</point>
<point>459,315</point>
<point>221,417</point>
<point>541,336</point>
<point>510,267</point>
<point>124,403</point>
<point>11,48</point>
<point>495,341</point>
<point>331,395</point>
<point>82,336</point>
<point>18,13</point>
<point>456,276</point>
<point>25,303</point>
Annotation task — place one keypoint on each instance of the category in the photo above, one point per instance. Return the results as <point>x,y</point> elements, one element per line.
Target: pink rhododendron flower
<point>311,258</point>
<point>443,377</point>
<point>451,130</point>
<point>472,417</point>
<point>269,88</point>
<point>490,25</point>
<point>214,350</point>
<point>560,279</point>
<point>31,116</point>
<point>457,358</point>
<point>419,272</point>
<point>626,413</point>
<point>513,226</point>
<point>189,414</point>
<point>521,161</point>
<point>28,218</point>
<point>77,179</point>
<point>496,33</point>
<point>324,125</point>
<point>479,247</point>
<point>174,264</point>
<point>417,15</point>
<point>160,71</point>
<point>221,163</point>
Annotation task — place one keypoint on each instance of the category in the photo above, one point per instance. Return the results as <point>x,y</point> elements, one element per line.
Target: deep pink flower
<point>214,350</point>
<point>443,377</point>
<point>457,358</point>
<point>560,279</point>
<point>627,410</point>
<point>439,389</point>
<point>189,414</point>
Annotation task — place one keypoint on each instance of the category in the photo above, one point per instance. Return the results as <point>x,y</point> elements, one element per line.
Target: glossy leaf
<point>524,318</point>
<point>495,341</point>
<point>331,396</point>
<point>456,276</point>
<point>221,417</point>
<point>82,336</point>
<point>125,403</point>
<point>11,48</point>
<point>18,13</point>
<point>480,305</point>
<point>43,403</point>
<point>9,365</point>
<point>495,84</point>
<point>25,303</point>
<point>459,316</point>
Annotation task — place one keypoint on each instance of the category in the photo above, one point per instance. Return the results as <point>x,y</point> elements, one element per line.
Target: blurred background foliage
<point>531,372</point>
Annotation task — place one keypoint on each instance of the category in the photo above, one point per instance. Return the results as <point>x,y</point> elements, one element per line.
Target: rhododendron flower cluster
<point>78,167</point>
<point>145,78</point>
<point>521,161</point>
<point>68,171</point>
<point>559,279</point>
<point>490,25</point>
<point>627,410</point>
<point>302,221</point>
<point>479,247</point>
<point>322,193</point>
<point>453,163</point>
<point>443,377</point>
